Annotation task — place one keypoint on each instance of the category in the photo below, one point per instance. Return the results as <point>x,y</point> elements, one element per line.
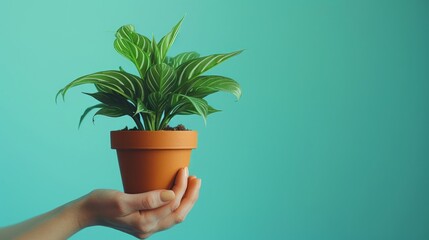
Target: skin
<point>140,215</point>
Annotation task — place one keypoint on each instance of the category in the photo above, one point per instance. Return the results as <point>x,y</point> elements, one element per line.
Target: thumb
<point>148,200</point>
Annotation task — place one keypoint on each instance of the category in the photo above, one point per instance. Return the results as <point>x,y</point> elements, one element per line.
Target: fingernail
<point>167,195</point>
<point>186,171</point>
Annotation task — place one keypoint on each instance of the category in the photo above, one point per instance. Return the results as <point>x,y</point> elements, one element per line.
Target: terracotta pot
<point>149,160</point>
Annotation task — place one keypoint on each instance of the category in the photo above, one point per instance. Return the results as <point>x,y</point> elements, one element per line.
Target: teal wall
<point>329,141</point>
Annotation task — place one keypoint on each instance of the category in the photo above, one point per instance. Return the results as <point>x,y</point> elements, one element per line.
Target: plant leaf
<point>161,78</point>
<point>110,99</point>
<point>110,111</point>
<point>124,84</point>
<point>141,108</point>
<point>212,110</point>
<point>169,61</point>
<point>184,57</point>
<point>114,100</point>
<point>140,59</point>
<point>85,113</point>
<point>191,69</point>
<point>189,110</point>
<point>168,40</point>
<point>128,32</point>
<point>204,85</point>
<point>197,106</point>
<point>155,54</point>
<point>100,88</point>
<point>157,101</point>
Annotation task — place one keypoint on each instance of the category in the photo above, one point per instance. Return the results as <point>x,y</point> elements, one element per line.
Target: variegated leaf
<point>110,111</point>
<point>157,102</point>
<point>188,109</point>
<point>141,108</point>
<point>85,113</point>
<point>169,61</point>
<point>183,57</point>
<point>191,69</point>
<point>115,100</point>
<point>168,40</point>
<point>212,110</point>
<point>129,50</point>
<point>186,105</point>
<point>161,78</point>
<point>155,54</point>
<point>111,99</point>
<point>204,85</point>
<point>128,32</point>
<point>124,84</point>
<point>100,88</point>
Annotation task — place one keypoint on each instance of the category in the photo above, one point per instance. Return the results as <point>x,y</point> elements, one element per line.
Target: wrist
<point>82,212</point>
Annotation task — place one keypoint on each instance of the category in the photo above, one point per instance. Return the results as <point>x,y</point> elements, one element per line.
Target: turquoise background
<point>329,141</point>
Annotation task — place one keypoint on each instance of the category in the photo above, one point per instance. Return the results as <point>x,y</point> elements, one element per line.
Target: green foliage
<point>166,86</point>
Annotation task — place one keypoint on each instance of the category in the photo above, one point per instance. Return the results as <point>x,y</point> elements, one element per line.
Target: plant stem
<point>158,120</point>
<point>146,123</point>
<point>165,121</point>
<point>149,121</point>
<point>138,122</point>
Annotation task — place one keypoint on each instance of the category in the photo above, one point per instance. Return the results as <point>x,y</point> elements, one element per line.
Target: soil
<point>179,127</point>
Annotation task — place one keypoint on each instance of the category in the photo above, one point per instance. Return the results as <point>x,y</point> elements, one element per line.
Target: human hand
<point>141,215</point>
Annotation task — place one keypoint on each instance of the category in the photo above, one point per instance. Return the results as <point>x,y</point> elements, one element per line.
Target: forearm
<point>140,215</point>
<point>57,224</point>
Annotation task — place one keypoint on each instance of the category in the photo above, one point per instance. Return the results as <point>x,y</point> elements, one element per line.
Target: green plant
<point>165,87</point>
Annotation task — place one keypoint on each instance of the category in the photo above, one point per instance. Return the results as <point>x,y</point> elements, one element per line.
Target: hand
<point>143,214</point>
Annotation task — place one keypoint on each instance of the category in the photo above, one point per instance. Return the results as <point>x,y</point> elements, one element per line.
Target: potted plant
<point>152,152</point>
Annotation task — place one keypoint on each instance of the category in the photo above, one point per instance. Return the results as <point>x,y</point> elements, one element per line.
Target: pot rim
<point>162,139</point>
